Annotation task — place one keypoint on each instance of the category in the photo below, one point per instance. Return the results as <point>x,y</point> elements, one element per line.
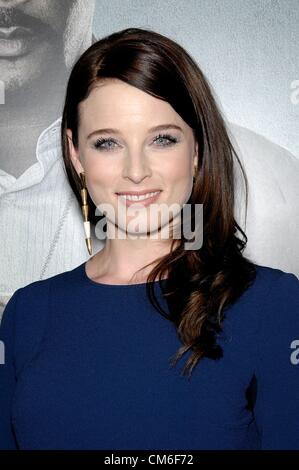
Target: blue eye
<point>108,143</point>
<point>99,144</point>
<point>167,137</point>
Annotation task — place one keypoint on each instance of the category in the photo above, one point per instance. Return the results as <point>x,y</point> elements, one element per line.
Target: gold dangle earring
<point>195,171</point>
<point>85,210</point>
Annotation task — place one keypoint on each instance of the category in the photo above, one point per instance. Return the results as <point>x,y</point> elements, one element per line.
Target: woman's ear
<point>74,153</point>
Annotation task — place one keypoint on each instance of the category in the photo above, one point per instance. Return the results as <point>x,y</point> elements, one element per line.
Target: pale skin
<point>136,159</point>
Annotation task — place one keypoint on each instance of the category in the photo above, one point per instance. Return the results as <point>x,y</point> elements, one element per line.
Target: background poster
<point>248,50</point>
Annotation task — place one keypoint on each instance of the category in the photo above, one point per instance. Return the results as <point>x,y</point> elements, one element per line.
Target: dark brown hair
<point>201,283</point>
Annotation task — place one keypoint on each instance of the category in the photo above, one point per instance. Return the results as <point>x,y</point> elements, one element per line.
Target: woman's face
<point>129,156</point>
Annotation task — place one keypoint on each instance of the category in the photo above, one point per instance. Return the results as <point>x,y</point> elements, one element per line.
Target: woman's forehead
<point>122,106</point>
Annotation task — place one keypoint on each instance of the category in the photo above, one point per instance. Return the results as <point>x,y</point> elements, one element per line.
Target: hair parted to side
<point>200,283</point>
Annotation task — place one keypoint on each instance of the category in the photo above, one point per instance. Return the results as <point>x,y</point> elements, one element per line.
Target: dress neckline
<point>113,286</point>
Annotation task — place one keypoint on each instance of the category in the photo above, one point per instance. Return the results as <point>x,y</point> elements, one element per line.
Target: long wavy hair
<point>201,283</point>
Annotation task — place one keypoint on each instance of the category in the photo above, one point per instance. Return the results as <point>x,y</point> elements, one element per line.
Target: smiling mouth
<point>144,199</point>
<point>140,197</point>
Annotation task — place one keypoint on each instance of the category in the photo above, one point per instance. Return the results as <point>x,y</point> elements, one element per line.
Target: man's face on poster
<point>37,36</point>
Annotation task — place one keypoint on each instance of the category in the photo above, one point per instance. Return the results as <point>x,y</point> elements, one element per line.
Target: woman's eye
<point>162,140</point>
<point>165,139</point>
<point>104,144</point>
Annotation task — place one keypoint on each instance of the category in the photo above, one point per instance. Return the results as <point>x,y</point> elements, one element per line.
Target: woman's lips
<point>142,202</point>
<point>16,41</point>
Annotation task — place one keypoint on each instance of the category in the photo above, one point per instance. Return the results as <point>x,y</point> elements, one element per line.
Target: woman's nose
<point>136,167</point>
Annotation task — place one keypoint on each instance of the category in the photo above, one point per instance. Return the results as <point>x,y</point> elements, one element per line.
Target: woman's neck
<point>119,260</point>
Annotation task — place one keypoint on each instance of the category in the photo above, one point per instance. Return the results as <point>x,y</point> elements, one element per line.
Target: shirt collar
<point>48,147</point>
<point>48,151</point>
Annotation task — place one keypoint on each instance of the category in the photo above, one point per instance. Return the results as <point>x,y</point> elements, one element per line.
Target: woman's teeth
<point>134,197</point>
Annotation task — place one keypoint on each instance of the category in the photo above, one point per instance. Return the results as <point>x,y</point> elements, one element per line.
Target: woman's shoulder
<point>270,304</point>
<point>269,286</point>
<point>25,317</point>
<point>267,275</point>
<point>275,285</point>
<point>280,299</point>
<point>29,305</point>
<point>38,292</point>
<point>63,278</point>
<point>264,319</point>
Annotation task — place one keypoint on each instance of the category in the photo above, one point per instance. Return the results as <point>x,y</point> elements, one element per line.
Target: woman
<point>152,343</point>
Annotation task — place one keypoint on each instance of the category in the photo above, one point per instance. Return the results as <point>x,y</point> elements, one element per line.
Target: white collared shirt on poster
<point>41,224</point>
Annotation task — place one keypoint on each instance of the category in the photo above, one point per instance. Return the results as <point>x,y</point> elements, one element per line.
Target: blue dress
<point>87,367</point>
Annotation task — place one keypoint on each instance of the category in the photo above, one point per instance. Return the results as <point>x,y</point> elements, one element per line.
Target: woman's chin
<point>134,232</point>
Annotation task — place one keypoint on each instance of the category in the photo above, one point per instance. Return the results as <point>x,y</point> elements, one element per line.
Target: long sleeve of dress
<point>21,332</point>
<point>7,374</point>
<point>277,373</point>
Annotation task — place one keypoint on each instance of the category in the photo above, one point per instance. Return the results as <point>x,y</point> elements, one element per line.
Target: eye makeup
<point>101,142</point>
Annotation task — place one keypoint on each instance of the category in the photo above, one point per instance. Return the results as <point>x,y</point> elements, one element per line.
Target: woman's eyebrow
<point>109,130</point>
